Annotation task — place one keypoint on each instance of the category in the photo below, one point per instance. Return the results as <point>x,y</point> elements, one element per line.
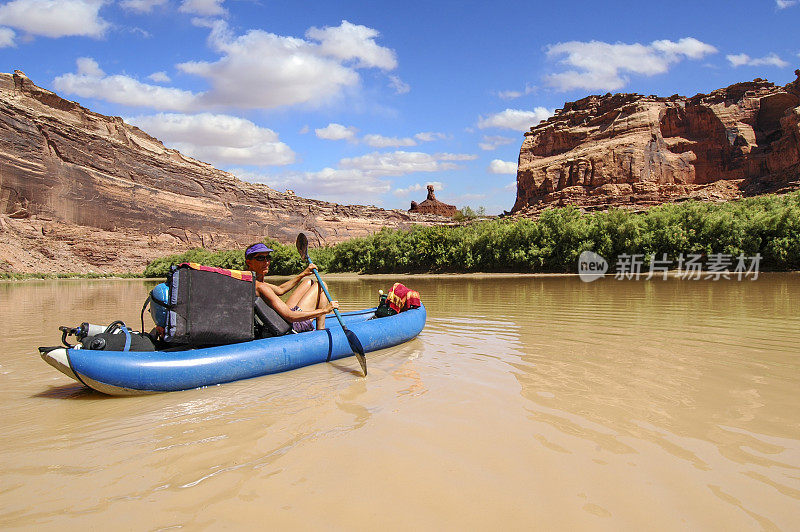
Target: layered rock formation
<point>631,150</point>
<point>82,191</point>
<point>431,205</point>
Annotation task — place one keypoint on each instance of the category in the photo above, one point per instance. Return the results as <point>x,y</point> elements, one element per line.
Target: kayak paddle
<point>355,343</point>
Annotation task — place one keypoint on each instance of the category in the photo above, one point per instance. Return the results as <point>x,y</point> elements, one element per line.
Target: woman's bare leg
<point>322,300</point>
<point>309,298</point>
<point>312,299</point>
<point>299,294</point>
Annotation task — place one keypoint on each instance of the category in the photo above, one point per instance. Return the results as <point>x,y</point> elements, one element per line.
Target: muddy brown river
<point>526,403</point>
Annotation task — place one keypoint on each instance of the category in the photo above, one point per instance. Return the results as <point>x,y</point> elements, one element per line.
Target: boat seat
<point>268,322</point>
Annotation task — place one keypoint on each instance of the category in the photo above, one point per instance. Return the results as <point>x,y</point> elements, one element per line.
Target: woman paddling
<point>303,305</point>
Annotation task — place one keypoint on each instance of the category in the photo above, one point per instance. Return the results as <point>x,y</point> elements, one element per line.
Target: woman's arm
<point>291,283</point>
<point>268,294</point>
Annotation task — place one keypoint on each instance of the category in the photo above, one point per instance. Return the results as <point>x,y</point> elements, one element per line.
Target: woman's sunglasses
<point>261,258</point>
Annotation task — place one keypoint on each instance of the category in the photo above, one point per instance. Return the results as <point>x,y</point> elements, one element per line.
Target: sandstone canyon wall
<point>81,191</point>
<point>629,150</point>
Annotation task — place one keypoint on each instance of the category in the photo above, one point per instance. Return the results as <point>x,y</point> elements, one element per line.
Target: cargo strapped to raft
<point>118,337</point>
<point>115,337</point>
<point>205,305</point>
<point>209,306</point>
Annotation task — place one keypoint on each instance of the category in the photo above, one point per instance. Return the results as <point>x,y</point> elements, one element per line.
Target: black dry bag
<point>207,307</point>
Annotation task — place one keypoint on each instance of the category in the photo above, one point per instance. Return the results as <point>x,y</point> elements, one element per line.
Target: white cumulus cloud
<point>404,192</point>
<point>455,156</point>
<point>88,67</point>
<point>601,65</point>
<point>498,166</point>
<point>399,86</point>
<point>512,95</point>
<point>141,6</point>
<point>429,136</point>
<point>339,183</point>
<point>91,82</point>
<point>335,131</point>
<point>737,60</point>
<point>206,8</point>
<point>255,70</point>
<point>688,47</point>
<point>364,178</point>
<point>417,187</point>
<point>7,37</point>
<point>516,119</point>
<point>401,163</point>
<point>783,4</point>
<point>55,18</point>
<point>492,142</point>
<point>351,42</point>
<point>264,70</point>
<point>159,77</point>
<point>218,139</point>
<point>379,141</point>
<point>329,184</point>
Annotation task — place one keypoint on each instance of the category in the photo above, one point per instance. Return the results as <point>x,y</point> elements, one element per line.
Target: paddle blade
<point>302,245</point>
<point>358,350</point>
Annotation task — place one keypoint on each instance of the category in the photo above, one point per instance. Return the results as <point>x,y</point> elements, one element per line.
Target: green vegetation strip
<point>769,225</point>
<point>93,275</point>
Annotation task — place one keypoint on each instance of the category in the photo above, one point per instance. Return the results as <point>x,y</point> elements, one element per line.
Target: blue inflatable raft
<point>140,372</point>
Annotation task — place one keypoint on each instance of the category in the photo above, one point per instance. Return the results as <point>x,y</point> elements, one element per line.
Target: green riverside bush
<point>769,225</point>
<point>48,275</point>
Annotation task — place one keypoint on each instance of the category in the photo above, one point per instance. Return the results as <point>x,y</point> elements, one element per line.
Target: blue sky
<point>368,102</point>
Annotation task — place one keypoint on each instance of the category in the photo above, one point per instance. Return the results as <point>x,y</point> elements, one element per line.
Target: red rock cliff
<point>80,191</point>
<point>629,149</point>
